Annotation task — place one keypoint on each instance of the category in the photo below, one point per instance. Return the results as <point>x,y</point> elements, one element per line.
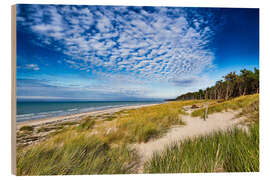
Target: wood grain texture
<point>13,89</point>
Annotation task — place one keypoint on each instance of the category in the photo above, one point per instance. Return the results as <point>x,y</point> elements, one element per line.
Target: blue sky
<point>129,53</point>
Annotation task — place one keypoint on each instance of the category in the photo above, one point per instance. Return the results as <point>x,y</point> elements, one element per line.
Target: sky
<point>120,53</point>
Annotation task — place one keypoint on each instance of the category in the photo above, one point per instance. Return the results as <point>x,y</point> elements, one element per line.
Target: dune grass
<point>76,150</point>
<point>49,128</point>
<point>142,124</point>
<point>26,128</point>
<point>86,123</point>
<point>70,153</point>
<point>251,112</point>
<point>233,151</point>
<point>233,104</point>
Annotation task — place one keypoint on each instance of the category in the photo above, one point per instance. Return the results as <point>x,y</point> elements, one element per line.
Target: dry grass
<point>142,124</point>
<point>233,104</point>
<point>74,153</point>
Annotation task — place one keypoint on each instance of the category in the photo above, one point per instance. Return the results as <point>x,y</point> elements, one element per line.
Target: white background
<point>5,84</point>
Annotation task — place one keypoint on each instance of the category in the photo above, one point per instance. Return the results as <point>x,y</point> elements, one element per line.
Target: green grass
<point>68,154</point>
<point>86,124</point>
<point>26,128</point>
<point>233,104</point>
<point>232,151</point>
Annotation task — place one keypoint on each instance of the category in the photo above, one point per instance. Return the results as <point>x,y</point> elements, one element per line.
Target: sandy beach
<point>74,117</point>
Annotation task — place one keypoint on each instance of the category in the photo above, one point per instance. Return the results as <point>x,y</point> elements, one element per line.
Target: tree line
<point>232,85</point>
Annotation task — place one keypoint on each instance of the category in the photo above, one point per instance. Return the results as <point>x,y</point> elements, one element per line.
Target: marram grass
<point>232,104</point>
<point>76,150</point>
<point>68,153</point>
<point>142,124</point>
<point>86,124</point>
<point>235,150</point>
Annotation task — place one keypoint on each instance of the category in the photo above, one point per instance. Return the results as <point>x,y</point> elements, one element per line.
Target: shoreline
<point>76,117</point>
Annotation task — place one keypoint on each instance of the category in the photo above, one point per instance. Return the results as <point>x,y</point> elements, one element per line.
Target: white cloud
<point>156,46</point>
<point>34,67</point>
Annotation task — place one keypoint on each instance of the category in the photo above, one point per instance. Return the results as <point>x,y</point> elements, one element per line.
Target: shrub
<point>26,128</point>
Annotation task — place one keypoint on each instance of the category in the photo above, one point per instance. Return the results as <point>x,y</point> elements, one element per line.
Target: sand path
<point>195,126</point>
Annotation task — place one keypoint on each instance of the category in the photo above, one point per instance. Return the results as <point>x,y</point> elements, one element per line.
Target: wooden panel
<point>13,89</point>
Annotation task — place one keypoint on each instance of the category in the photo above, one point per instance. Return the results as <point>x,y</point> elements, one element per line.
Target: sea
<point>27,111</point>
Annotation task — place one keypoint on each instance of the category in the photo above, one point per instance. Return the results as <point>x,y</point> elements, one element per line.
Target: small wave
<point>56,111</point>
<point>25,115</point>
<point>72,109</point>
<point>100,108</point>
<point>30,117</point>
<point>44,113</point>
<point>87,109</point>
<point>39,116</point>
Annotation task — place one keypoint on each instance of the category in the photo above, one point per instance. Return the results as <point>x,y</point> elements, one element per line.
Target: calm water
<point>36,110</point>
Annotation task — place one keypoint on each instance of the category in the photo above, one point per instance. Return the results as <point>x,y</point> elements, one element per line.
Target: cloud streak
<point>33,88</point>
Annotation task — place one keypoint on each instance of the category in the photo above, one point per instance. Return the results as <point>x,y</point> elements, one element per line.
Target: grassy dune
<point>231,151</point>
<point>70,153</point>
<point>142,124</point>
<point>88,148</point>
<point>100,145</point>
<point>236,150</point>
<point>233,104</point>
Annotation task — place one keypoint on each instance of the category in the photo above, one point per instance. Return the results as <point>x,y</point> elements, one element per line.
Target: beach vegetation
<point>86,124</point>
<point>69,123</point>
<point>235,150</point>
<point>145,123</point>
<point>251,112</point>
<point>67,154</point>
<point>49,128</point>
<point>26,128</point>
<point>21,134</point>
<point>242,102</point>
<point>109,117</point>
